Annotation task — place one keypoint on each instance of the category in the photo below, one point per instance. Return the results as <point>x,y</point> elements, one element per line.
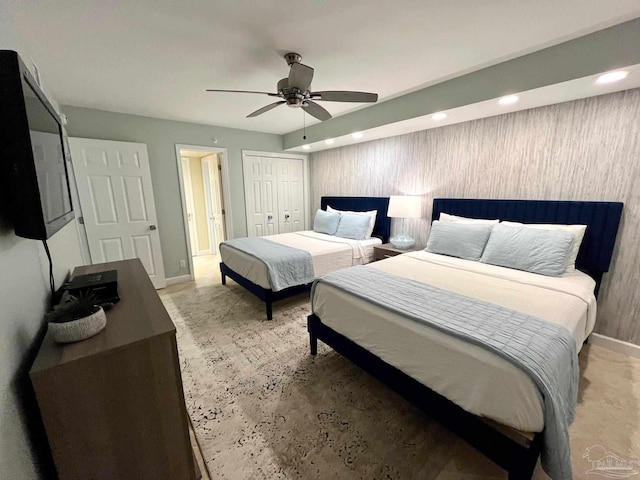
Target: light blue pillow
<point>529,249</point>
<point>326,222</point>
<point>462,240</point>
<point>353,226</point>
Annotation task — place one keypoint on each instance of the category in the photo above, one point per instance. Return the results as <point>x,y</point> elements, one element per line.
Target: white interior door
<point>270,195</point>
<point>114,185</point>
<point>188,193</point>
<point>213,198</point>
<point>290,195</point>
<point>296,195</point>
<point>218,203</point>
<point>284,194</point>
<point>260,195</point>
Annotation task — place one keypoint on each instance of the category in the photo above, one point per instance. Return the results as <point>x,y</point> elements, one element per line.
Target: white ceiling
<point>156,57</point>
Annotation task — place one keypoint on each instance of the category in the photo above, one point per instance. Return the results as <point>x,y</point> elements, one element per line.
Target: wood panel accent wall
<point>582,150</point>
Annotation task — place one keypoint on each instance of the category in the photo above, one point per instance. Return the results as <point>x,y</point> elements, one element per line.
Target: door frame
<point>305,170</point>
<point>226,192</point>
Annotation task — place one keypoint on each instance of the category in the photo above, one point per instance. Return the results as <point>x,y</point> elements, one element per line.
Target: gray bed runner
<point>546,352</point>
<point>287,266</point>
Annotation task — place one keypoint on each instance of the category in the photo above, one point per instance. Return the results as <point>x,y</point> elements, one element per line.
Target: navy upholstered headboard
<point>602,220</point>
<point>382,227</point>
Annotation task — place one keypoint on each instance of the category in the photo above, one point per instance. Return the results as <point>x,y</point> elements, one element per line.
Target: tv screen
<point>35,197</point>
<point>48,157</point>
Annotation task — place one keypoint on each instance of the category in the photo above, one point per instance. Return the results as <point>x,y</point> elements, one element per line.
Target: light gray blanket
<point>287,266</point>
<point>543,350</point>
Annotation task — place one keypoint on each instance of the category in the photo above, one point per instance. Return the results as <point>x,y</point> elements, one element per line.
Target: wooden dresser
<point>112,405</point>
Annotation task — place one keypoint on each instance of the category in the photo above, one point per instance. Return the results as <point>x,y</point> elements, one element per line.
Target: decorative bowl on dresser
<point>113,405</point>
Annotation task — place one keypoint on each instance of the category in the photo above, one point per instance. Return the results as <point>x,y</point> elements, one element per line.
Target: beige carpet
<point>262,407</point>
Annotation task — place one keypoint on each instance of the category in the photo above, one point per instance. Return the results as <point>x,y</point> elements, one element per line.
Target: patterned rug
<point>262,407</point>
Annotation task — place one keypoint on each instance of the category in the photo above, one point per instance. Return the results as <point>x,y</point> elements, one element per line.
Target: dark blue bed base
<point>382,229</point>
<point>516,454</point>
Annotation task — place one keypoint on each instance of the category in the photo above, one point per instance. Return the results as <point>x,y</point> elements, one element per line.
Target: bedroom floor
<point>263,408</point>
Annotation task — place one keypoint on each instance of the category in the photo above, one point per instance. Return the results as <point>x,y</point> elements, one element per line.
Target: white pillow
<point>576,230</point>
<point>372,220</point>
<point>447,218</point>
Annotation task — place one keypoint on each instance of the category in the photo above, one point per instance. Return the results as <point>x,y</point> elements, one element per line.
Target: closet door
<point>284,194</point>
<point>253,196</point>
<point>274,194</point>
<point>290,195</point>
<point>270,195</point>
<point>296,195</point>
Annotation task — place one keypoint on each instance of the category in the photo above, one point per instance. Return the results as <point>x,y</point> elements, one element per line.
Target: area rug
<point>262,407</point>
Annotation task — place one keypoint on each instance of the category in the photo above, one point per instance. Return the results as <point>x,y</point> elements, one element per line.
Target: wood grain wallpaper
<point>582,150</point>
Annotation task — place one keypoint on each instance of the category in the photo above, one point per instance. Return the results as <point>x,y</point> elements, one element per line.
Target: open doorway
<point>204,200</point>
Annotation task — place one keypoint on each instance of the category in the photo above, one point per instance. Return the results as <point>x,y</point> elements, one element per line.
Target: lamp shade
<point>405,206</point>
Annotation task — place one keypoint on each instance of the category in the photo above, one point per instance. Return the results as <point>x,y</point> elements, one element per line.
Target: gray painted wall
<point>582,150</point>
<point>161,136</point>
<point>24,292</point>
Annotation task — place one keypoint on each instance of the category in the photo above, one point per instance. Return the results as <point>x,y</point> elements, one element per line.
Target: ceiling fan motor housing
<point>294,97</point>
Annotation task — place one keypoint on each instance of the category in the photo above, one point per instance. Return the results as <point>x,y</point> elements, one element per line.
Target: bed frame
<point>382,230</point>
<point>516,452</point>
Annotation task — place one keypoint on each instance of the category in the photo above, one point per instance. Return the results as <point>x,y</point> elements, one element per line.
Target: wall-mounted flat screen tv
<point>33,149</point>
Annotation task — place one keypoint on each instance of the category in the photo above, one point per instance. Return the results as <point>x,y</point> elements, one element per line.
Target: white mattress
<point>472,377</point>
<point>329,253</point>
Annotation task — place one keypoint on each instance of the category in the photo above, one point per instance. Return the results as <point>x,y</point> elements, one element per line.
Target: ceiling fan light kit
<point>295,92</point>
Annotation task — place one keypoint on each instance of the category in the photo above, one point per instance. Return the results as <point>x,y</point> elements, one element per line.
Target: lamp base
<point>402,241</point>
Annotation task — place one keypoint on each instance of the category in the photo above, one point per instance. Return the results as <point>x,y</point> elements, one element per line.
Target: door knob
<point>269,217</point>
<point>286,216</point>
<point>152,227</point>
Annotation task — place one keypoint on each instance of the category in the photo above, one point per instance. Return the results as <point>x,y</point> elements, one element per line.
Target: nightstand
<point>386,250</point>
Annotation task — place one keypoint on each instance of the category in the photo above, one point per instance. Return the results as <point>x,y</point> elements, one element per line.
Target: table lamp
<point>404,206</point>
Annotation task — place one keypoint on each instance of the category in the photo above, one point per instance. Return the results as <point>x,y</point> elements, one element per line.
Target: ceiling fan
<point>295,92</point>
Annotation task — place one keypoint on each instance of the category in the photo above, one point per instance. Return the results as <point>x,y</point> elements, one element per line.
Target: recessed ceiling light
<point>508,100</point>
<point>439,116</point>
<point>611,77</point>
<point>306,147</point>
<point>357,134</point>
<point>329,141</point>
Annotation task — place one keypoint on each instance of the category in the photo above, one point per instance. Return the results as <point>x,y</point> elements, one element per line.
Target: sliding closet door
<point>274,194</point>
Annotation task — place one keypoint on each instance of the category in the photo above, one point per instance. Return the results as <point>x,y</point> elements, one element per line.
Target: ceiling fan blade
<point>243,91</point>
<point>300,76</point>
<point>341,96</point>
<point>265,109</point>
<point>312,108</point>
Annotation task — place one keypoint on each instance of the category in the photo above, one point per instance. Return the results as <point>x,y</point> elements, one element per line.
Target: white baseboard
<point>180,279</point>
<point>615,345</point>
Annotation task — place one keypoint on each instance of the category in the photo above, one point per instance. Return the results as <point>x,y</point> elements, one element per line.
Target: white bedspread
<point>470,376</point>
<point>329,253</point>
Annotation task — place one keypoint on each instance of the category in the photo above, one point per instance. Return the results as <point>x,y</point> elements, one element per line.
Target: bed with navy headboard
<point>516,451</point>
<point>381,230</point>
<point>601,218</point>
